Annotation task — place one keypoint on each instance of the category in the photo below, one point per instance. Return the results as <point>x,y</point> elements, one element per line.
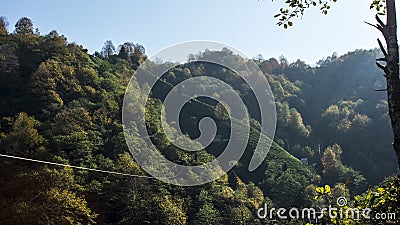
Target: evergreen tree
<point>24,26</point>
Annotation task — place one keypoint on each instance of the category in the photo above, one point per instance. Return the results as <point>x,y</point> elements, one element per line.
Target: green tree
<point>126,50</point>
<point>239,215</point>
<point>24,26</point>
<point>23,139</point>
<point>42,196</point>
<point>207,214</point>
<point>139,55</point>
<point>108,49</point>
<point>9,63</point>
<point>64,207</point>
<point>334,171</point>
<point>383,199</point>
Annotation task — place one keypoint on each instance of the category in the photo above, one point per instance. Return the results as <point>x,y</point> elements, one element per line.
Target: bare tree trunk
<point>391,69</point>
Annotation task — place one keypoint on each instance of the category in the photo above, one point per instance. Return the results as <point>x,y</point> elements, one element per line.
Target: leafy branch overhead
<point>296,8</point>
<point>379,6</point>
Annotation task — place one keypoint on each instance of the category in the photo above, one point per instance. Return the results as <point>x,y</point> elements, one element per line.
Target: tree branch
<point>379,21</point>
<point>379,27</point>
<point>382,48</point>
<point>382,67</point>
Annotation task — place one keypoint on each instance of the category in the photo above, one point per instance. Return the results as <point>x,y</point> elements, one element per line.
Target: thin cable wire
<point>75,167</point>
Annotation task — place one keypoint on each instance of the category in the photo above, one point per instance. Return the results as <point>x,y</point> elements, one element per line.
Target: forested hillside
<point>61,104</point>
<point>341,100</point>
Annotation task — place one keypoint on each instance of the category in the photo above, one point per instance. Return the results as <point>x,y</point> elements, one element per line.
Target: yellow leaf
<point>320,190</point>
<point>327,189</point>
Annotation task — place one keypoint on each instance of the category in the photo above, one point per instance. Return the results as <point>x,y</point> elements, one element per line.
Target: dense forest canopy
<point>61,104</point>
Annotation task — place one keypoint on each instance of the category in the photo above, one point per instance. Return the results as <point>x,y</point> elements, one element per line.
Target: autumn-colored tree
<point>331,158</point>
<point>3,26</point>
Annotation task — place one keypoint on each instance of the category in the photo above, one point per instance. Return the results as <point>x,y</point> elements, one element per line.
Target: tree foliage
<point>3,26</point>
<point>24,26</point>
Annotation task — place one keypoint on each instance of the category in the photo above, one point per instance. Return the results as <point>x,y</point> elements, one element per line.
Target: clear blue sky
<point>247,25</point>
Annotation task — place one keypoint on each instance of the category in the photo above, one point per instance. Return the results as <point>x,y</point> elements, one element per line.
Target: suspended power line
<point>75,167</point>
